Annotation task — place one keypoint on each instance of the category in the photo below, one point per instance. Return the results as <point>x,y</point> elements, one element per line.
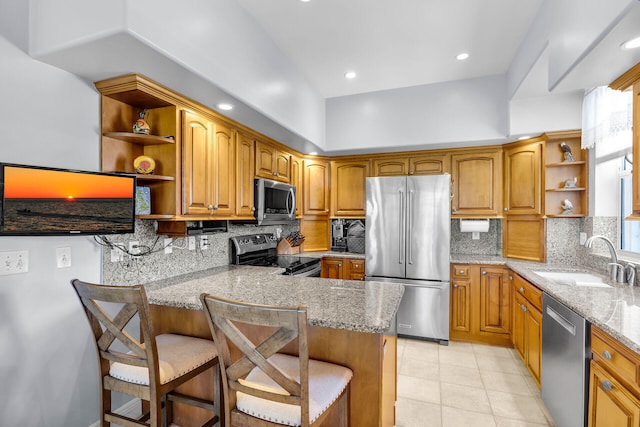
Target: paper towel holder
<point>474,226</point>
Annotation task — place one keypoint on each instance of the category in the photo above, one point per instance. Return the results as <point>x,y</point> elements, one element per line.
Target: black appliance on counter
<point>260,250</point>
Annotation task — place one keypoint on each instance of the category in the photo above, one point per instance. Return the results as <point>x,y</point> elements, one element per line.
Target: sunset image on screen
<point>21,183</point>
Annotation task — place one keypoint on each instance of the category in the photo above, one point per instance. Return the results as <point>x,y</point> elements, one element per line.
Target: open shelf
<point>566,189</point>
<point>559,164</point>
<point>137,138</point>
<point>565,216</point>
<point>142,177</point>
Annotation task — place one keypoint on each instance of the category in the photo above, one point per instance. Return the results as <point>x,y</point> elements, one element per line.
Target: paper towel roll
<point>474,225</point>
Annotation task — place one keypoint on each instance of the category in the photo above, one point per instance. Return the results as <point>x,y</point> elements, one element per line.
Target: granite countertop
<point>614,309</point>
<point>333,254</point>
<point>362,306</point>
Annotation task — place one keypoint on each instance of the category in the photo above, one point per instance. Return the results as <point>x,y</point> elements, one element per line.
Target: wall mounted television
<point>41,201</point>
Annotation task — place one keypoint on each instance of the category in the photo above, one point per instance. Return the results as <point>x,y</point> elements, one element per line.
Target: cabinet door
<point>476,181</point>
<point>610,404</point>
<point>460,306</point>
<point>517,334</point>
<point>522,182</point>
<point>265,160</point>
<point>315,229</point>
<point>348,187</point>
<point>495,301</point>
<point>391,167</point>
<point>331,268</point>
<point>316,188</point>
<point>197,141</point>
<point>283,166</point>
<point>244,176</point>
<point>224,171</point>
<point>296,181</point>
<point>430,164</point>
<point>533,341</point>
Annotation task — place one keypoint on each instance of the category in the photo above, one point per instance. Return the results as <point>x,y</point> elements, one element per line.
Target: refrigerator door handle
<point>402,228</point>
<point>410,227</point>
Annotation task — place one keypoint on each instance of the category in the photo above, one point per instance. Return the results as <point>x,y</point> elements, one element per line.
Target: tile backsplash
<point>159,265</point>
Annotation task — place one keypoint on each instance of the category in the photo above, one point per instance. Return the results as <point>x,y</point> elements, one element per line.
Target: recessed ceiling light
<point>312,153</point>
<point>225,107</point>
<point>350,74</point>
<point>631,44</point>
<point>462,56</point>
<point>305,1</point>
<point>524,137</point>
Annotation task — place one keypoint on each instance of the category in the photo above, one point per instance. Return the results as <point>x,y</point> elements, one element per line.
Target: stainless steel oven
<point>260,250</point>
<point>275,202</point>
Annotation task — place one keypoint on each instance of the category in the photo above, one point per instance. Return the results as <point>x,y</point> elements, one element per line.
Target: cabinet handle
<point>210,207</point>
<point>506,209</point>
<point>510,277</point>
<point>607,355</point>
<point>606,385</point>
<point>356,265</point>
<point>275,174</point>
<point>326,210</point>
<point>521,290</point>
<point>484,273</point>
<point>461,272</point>
<point>253,209</point>
<point>454,210</point>
<point>524,307</point>
<point>455,285</point>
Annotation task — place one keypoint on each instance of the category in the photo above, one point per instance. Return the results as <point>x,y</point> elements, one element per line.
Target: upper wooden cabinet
<point>316,187</point>
<point>272,163</point>
<point>209,167</point>
<point>244,176</point>
<point>413,164</point>
<point>631,81</point>
<point>476,179</point>
<point>348,187</point>
<point>522,178</point>
<point>123,99</point>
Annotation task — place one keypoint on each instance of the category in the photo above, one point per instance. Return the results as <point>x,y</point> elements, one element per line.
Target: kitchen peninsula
<point>347,325</point>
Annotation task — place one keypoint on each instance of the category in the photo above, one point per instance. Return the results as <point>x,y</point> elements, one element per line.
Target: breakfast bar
<point>348,325</point>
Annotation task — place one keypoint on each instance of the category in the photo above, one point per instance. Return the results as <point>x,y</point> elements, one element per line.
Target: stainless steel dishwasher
<point>565,363</point>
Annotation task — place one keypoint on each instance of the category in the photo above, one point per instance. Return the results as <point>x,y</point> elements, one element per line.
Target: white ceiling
<point>394,43</point>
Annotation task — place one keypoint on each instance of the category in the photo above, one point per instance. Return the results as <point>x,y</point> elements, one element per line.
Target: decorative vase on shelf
<point>141,126</point>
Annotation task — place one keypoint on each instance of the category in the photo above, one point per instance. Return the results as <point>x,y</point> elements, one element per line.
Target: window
<point>629,230</point>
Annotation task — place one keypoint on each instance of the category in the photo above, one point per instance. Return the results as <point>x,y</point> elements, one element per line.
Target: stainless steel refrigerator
<point>408,226</point>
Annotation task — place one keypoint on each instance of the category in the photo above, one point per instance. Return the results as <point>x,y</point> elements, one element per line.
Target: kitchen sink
<point>573,278</point>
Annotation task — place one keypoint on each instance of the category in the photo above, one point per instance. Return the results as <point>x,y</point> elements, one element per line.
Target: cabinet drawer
<point>530,292</point>
<point>616,357</point>
<point>460,271</point>
<point>356,265</point>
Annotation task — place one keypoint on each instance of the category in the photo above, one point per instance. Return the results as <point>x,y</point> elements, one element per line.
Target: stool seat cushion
<point>326,382</point>
<point>177,355</point>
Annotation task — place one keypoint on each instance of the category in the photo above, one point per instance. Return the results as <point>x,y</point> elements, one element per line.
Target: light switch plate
<point>192,243</point>
<point>167,246</point>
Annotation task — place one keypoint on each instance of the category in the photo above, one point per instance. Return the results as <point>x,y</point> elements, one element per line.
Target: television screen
<point>47,201</point>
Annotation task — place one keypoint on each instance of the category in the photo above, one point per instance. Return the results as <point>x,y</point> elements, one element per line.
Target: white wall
<point>531,116</point>
<point>48,368</point>
<point>430,116</point>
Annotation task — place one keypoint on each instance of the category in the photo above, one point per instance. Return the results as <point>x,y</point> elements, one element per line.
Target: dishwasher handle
<point>570,327</point>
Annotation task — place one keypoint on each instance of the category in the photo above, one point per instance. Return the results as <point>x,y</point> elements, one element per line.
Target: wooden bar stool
<point>266,388</point>
<point>150,368</point>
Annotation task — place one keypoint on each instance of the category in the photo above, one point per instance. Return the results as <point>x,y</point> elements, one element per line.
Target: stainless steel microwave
<point>275,202</point>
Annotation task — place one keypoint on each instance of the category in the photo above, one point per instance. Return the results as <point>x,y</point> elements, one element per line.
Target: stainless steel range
<point>260,250</point>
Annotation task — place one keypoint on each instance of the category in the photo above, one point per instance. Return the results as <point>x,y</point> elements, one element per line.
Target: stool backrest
<point>109,330</point>
<point>288,323</point>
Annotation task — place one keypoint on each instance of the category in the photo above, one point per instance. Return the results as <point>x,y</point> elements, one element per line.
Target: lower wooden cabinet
<point>342,268</point>
<point>614,382</point>
<point>526,335</point>
<point>610,403</point>
<point>480,304</point>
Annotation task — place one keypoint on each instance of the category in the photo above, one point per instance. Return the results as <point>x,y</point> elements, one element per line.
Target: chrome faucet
<point>616,270</point>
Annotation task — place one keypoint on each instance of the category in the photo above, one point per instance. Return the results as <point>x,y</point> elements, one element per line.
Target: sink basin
<point>573,278</point>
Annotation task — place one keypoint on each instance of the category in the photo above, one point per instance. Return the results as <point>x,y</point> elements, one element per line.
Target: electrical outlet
<point>134,248</point>
<point>117,253</point>
<point>192,243</point>
<point>14,262</point>
<point>63,257</point>
<point>204,242</point>
<point>167,246</point>
<point>583,238</point>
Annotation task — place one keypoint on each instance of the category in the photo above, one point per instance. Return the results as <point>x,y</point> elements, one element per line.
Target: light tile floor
<point>465,384</point>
